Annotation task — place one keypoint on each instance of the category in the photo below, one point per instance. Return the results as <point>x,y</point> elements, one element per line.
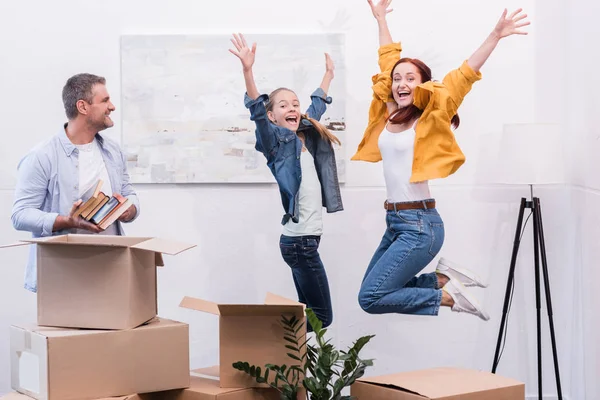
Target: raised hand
<point>243,52</point>
<point>380,10</point>
<point>329,67</point>
<point>328,77</point>
<point>510,25</point>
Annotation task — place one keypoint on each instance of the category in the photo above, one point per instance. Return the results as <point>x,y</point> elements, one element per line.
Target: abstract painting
<point>184,119</point>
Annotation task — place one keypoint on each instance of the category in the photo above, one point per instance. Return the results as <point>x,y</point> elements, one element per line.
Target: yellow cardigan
<point>436,153</point>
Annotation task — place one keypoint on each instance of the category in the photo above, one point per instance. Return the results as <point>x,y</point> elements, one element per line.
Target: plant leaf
<point>314,321</point>
<point>287,346</point>
<point>310,384</point>
<point>291,340</point>
<point>272,367</point>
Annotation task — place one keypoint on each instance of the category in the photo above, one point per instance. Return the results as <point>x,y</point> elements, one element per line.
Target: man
<point>53,177</point>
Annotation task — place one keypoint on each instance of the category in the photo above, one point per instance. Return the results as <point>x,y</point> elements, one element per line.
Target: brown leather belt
<point>416,205</point>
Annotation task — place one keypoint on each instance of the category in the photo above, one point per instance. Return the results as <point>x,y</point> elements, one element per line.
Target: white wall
<point>583,122</point>
<point>236,226</point>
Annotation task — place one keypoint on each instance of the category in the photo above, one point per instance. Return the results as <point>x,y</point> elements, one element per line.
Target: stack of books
<point>103,210</point>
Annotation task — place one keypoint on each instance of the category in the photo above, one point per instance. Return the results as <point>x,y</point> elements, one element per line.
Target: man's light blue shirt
<point>48,185</point>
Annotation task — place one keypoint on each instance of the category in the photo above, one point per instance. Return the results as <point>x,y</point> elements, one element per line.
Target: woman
<point>300,154</point>
<point>410,130</point>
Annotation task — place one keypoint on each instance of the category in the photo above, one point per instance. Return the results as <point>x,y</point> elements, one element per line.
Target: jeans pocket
<point>289,254</point>
<point>310,245</point>
<point>409,217</point>
<point>437,235</point>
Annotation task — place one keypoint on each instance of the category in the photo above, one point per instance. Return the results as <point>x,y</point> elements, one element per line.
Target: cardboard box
<point>204,388</point>
<point>98,281</point>
<point>251,333</point>
<point>438,384</point>
<point>73,364</point>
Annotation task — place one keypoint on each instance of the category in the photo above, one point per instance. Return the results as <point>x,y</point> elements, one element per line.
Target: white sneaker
<point>463,301</point>
<point>466,277</point>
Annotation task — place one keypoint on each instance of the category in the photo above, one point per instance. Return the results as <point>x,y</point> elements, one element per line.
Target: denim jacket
<point>282,148</point>
<point>41,193</point>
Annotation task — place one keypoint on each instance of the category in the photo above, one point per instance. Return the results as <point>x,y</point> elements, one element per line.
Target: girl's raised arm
<point>246,56</point>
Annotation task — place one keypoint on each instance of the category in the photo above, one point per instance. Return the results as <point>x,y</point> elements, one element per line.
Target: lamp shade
<point>531,154</point>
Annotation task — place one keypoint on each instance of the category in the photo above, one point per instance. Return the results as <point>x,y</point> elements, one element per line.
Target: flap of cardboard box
<point>200,305</point>
<point>88,240</point>
<point>31,330</point>
<point>209,388</point>
<point>439,383</point>
<point>81,240</point>
<point>142,243</point>
<point>281,306</point>
<point>273,298</point>
<point>163,246</point>
<point>16,244</point>
<point>213,372</point>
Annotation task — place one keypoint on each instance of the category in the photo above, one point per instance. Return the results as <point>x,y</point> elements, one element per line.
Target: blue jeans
<point>390,285</point>
<point>301,254</point>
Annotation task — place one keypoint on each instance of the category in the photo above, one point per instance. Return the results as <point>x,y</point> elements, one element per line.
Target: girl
<point>410,129</point>
<point>300,155</point>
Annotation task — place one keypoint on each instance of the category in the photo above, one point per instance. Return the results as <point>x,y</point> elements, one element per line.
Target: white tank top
<point>310,201</point>
<point>397,151</point>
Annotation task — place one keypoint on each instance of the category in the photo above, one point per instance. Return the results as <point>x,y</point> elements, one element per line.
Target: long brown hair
<point>323,131</point>
<point>409,113</point>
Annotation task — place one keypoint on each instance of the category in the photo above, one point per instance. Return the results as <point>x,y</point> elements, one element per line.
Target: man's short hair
<point>79,87</point>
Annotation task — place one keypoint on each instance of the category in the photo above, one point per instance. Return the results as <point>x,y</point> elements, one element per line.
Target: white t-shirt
<point>91,169</point>
<point>397,152</point>
<point>310,201</point>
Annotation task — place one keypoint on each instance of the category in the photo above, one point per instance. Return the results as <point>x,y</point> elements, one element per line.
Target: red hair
<point>409,113</point>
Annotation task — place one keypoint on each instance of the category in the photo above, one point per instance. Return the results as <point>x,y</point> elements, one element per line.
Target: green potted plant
<point>321,370</point>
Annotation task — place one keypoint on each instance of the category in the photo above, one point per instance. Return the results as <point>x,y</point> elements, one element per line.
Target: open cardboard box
<point>98,281</point>
<point>439,384</point>
<point>250,333</point>
<point>80,364</point>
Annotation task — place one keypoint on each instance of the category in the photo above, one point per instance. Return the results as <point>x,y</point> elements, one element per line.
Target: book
<point>92,201</point>
<point>115,214</point>
<point>103,211</point>
<point>94,206</point>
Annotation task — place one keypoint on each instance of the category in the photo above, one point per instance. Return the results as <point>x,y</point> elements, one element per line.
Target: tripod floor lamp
<point>533,155</point>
